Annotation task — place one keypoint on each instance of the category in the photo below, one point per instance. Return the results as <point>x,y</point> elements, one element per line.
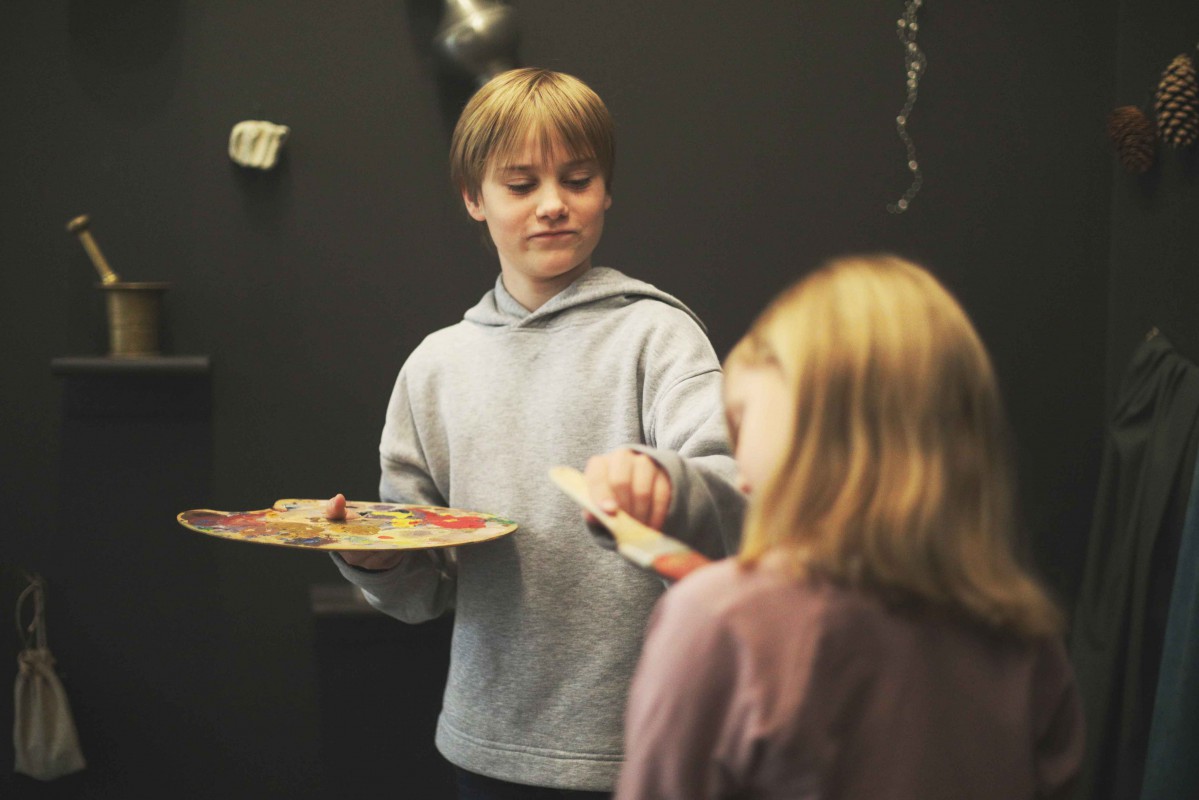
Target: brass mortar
<point>134,315</point>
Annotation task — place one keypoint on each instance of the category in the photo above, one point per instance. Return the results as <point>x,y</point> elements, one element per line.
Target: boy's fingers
<point>369,560</point>
<point>645,473</point>
<point>626,479</point>
<point>620,481</point>
<point>335,509</point>
<point>383,560</point>
<point>598,484</point>
<point>661,501</point>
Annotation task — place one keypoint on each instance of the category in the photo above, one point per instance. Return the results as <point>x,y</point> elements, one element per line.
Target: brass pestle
<point>134,309</point>
<point>79,226</point>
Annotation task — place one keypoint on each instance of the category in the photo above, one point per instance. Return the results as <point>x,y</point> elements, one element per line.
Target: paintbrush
<point>641,544</point>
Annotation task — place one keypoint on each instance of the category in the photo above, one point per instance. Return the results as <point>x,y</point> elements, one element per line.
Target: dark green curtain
<point>1171,768</point>
<point>1120,620</point>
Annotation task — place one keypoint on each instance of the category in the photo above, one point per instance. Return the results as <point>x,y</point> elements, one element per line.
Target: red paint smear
<point>449,521</point>
<point>251,518</point>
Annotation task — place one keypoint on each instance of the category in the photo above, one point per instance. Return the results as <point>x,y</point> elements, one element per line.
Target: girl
<point>875,637</point>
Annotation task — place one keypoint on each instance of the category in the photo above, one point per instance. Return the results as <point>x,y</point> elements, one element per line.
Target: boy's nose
<point>551,204</point>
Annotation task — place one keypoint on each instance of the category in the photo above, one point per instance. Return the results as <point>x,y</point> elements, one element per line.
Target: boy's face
<point>757,407</point>
<point>545,213</point>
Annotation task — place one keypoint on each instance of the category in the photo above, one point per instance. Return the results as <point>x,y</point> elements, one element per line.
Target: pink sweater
<point>753,684</point>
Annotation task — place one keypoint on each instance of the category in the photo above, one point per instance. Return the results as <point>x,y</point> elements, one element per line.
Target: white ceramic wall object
<point>255,143</point>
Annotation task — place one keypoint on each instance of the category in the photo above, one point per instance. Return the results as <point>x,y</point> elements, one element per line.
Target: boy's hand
<point>335,509</point>
<point>378,561</point>
<point>631,481</point>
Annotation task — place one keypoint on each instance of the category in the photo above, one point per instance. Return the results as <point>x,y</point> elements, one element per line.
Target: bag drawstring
<point>33,635</point>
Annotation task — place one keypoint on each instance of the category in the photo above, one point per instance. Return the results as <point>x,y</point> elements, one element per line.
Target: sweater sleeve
<point>685,433</point>
<point>1059,734</point>
<point>422,586</point>
<point>680,714</point>
<point>690,441</point>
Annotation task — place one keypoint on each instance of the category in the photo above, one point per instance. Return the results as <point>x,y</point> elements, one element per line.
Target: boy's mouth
<point>552,234</point>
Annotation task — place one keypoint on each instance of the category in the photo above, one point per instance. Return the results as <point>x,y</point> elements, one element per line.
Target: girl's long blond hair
<point>897,478</point>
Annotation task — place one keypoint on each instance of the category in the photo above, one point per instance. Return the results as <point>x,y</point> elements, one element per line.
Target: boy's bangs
<point>553,140</point>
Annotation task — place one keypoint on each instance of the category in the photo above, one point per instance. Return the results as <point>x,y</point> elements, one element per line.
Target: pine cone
<point>1134,137</point>
<point>1177,103</point>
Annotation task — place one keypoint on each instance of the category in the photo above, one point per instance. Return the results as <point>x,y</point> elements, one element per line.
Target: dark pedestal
<point>150,635</point>
<point>132,612</point>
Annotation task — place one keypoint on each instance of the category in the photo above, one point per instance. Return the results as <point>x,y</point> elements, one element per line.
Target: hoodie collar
<point>598,287</point>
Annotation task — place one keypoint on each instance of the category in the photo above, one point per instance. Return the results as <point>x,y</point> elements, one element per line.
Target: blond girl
<point>875,637</point>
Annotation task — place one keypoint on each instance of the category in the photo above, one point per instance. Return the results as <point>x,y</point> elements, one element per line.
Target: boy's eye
<point>523,187</point>
<point>579,183</point>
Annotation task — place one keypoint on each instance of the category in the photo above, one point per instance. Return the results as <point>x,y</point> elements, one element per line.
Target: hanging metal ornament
<point>914,66</point>
<point>478,37</point>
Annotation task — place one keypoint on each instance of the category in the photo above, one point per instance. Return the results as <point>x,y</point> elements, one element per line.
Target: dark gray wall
<point>755,140</point>
<point>1155,216</point>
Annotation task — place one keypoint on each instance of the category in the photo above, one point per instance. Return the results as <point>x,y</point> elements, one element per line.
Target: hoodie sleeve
<point>422,585</point>
<point>686,434</point>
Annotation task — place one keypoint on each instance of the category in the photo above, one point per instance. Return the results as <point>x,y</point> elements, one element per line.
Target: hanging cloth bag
<point>47,745</point>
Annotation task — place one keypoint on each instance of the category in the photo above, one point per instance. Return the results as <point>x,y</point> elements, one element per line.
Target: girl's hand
<point>632,481</point>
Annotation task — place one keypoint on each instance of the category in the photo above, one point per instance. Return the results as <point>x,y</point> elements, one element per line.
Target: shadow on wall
<point>265,194</point>
<point>125,54</point>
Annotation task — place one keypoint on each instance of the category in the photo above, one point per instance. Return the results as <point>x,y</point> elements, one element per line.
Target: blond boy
<point>559,361</point>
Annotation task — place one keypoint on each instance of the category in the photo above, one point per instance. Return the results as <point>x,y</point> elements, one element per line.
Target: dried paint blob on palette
<point>368,526</point>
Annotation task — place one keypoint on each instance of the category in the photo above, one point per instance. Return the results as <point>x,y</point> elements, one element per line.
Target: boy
<point>559,361</point>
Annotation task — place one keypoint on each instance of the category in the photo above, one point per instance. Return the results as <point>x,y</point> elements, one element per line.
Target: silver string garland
<point>914,65</point>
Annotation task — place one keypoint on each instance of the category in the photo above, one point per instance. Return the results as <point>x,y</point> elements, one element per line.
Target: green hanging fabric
<point>1119,622</point>
<point>1171,769</point>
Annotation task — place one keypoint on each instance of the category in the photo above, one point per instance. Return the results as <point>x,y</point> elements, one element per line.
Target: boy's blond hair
<point>897,478</point>
<point>499,119</point>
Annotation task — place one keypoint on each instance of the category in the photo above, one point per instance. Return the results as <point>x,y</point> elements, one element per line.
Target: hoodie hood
<point>596,290</point>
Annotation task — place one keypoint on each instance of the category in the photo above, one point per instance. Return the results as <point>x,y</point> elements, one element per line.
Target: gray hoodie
<point>548,625</point>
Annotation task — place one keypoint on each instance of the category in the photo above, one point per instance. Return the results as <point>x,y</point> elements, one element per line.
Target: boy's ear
<point>607,201</point>
<point>473,207</point>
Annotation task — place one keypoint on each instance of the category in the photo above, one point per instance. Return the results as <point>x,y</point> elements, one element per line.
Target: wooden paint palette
<point>368,526</point>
